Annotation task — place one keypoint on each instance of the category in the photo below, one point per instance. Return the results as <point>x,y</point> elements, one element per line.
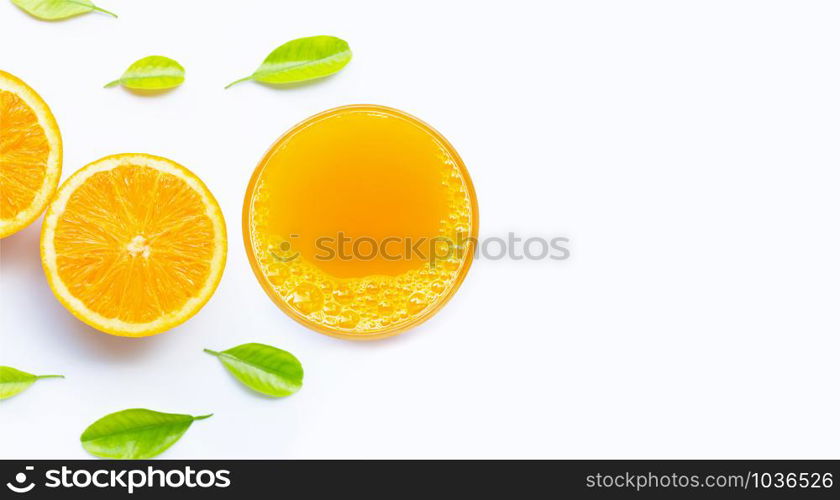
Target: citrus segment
<point>133,244</point>
<point>30,154</point>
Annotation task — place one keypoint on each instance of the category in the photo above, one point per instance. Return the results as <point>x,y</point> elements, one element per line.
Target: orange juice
<point>360,222</point>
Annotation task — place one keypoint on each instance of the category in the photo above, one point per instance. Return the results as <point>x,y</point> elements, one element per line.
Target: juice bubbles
<point>360,222</point>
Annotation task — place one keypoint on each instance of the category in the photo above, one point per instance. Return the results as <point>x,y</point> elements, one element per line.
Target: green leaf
<point>53,10</point>
<point>302,59</point>
<point>136,433</point>
<point>263,368</point>
<point>13,382</point>
<point>152,73</point>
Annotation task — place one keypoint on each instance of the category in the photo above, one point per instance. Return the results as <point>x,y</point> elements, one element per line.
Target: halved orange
<point>30,154</point>
<point>133,244</point>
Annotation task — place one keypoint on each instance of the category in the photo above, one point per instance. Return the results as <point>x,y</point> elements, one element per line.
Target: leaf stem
<point>100,9</point>
<point>239,81</point>
<point>214,353</point>
<point>93,7</point>
<point>112,84</point>
<point>202,417</point>
<point>39,377</point>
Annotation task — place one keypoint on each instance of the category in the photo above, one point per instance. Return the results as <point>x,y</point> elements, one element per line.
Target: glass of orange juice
<point>360,222</point>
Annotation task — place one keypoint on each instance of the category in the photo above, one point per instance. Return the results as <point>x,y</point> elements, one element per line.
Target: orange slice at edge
<point>30,154</point>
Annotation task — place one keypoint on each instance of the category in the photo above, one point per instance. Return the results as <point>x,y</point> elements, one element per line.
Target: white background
<point>689,149</point>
